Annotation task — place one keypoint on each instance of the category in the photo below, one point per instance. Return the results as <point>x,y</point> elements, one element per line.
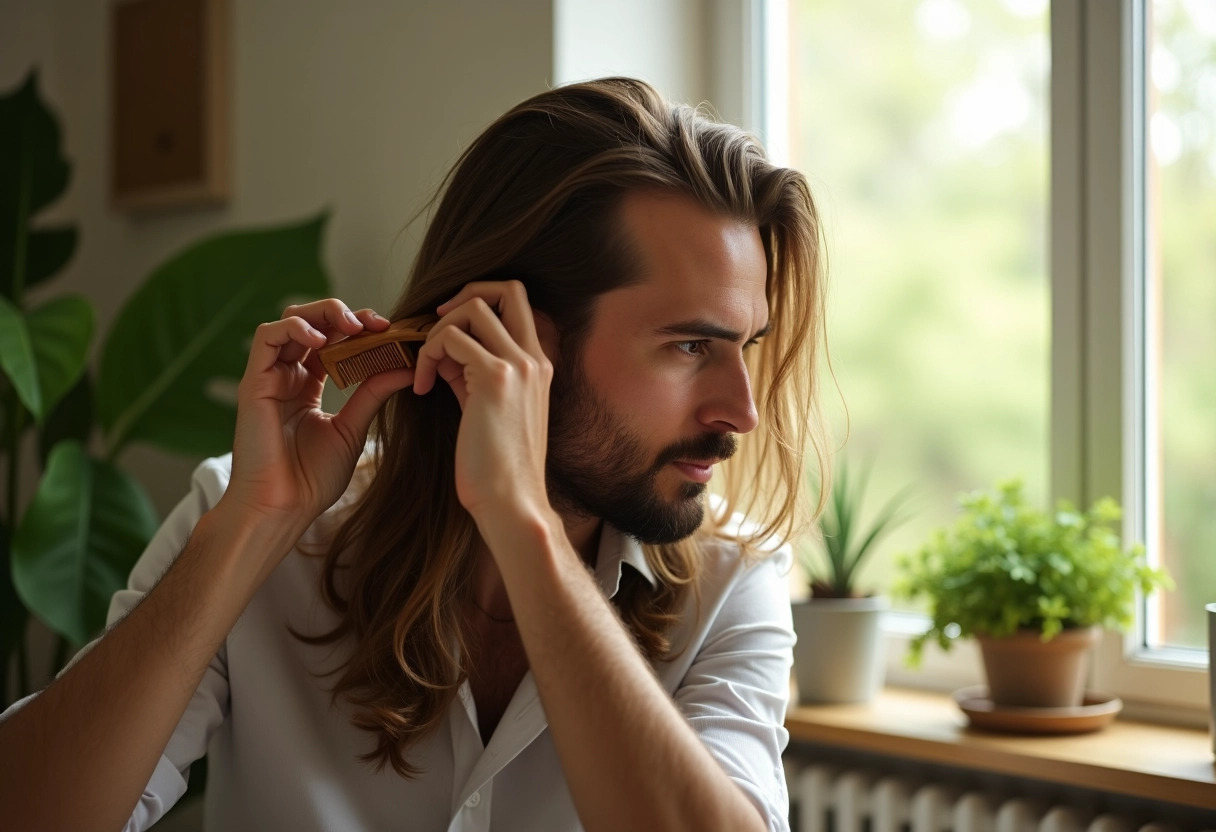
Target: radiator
<point>826,798</point>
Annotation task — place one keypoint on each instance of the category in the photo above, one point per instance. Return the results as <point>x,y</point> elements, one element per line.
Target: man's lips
<point>695,469</point>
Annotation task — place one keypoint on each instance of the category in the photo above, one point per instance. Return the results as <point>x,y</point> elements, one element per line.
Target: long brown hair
<point>536,197</point>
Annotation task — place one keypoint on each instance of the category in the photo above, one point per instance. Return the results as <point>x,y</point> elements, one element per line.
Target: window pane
<point>922,125</point>
<point>1180,109</point>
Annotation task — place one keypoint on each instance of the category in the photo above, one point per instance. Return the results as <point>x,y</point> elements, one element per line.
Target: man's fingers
<point>509,300</point>
<point>477,318</point>
<point>330,316</point>
<point>355,417</point>
<point>372,320</point>
<point>487,327</point>
<point>271,339</point>
<point>330,313</point>
<point>312,363</point>
<point>450,344</point>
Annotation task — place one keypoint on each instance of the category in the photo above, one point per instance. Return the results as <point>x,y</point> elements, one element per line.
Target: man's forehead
<point>666,229</point>
<point>692,262</point>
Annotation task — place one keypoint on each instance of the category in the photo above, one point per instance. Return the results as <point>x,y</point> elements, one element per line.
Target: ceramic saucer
<point>1096,710</point>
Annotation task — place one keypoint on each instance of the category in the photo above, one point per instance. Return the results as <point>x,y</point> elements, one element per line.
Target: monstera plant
<point>178,339</point>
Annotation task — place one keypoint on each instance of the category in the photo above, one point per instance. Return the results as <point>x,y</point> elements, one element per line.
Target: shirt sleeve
<point>736,692</point>
<point>208,707</point>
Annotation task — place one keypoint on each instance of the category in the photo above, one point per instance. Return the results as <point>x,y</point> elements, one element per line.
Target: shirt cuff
<point>164,789</point>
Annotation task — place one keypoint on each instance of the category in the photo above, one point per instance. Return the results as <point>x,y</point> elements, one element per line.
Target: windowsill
<point>1132,758</point>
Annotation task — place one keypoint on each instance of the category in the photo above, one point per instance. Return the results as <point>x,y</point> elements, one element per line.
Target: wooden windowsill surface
<point>1132,758</point>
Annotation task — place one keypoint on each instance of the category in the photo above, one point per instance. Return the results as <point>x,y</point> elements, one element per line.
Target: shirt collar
<point>617,548</point>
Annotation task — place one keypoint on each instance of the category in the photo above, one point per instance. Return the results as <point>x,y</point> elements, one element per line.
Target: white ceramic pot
<point>839,656</point>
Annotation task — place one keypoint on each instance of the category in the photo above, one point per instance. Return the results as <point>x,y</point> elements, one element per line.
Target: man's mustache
<point>706,446</point>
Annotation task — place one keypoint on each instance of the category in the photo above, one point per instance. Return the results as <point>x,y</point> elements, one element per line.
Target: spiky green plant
<point>846,542</point>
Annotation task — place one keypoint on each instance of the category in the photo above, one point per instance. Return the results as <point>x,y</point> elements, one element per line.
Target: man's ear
<point>547,334</point>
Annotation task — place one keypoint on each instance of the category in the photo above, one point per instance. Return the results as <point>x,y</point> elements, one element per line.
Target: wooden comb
<point>358,357</point>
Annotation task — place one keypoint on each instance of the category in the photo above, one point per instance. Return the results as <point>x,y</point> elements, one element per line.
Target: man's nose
<point>729,406</point>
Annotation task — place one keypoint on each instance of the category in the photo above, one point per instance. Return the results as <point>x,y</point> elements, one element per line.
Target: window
<point>1020,201</point>
<point>923,125</point>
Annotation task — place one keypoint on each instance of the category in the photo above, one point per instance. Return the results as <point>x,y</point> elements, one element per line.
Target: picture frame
<point>168,104</point>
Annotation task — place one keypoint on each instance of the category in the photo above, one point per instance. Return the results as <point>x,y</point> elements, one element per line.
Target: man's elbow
<point>758,822</point>
<point>749,818</point>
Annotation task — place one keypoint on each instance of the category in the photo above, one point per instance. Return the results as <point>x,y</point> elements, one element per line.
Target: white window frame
<point>1099,306</point>
<point>1097,253</point>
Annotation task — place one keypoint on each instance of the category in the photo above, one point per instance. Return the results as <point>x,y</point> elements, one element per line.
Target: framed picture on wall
<point>169,103</point>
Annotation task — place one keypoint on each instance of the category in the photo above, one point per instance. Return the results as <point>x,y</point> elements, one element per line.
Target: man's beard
<point>597,467</point>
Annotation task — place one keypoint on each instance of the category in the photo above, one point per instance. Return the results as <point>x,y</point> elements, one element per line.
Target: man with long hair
<point>516,607</point>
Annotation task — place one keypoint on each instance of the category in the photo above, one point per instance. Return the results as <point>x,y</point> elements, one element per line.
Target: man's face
<point>659,390</point>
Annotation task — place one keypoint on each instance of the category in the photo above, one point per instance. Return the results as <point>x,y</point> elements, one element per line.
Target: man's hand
<point>290,459</point>
<point>104,724</point>
<point>486,347</point>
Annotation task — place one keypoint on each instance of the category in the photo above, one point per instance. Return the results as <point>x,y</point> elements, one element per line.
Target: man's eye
<point>693,347</point>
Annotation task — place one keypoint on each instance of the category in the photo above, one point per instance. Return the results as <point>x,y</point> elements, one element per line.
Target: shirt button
<point>473,800</point>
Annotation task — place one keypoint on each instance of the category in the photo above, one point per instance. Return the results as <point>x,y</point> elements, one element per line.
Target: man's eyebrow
<point>701,328</point>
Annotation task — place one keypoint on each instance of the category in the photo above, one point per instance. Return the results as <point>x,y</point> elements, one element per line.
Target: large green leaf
<point>189,326</point>
<point>84,530</point>
<point>60,331</point>
<point>33,174</point>
<point>17,357</point>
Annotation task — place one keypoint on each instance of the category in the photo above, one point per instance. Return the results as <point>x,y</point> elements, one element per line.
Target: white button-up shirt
<point>281,758</point>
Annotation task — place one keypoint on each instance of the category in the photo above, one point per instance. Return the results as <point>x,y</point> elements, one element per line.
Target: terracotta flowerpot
<point>1025,671</point>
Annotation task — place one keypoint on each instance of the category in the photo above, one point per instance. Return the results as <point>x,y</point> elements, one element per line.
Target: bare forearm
<point>630,759</point>
<point>95,735</point>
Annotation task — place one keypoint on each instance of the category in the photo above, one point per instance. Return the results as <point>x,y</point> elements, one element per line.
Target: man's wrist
<point>254,531</point>
<point>512,526</point>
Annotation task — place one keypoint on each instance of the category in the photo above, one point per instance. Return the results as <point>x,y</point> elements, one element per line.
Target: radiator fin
<point>832,798</point>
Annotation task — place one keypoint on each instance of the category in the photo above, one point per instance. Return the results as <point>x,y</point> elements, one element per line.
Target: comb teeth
<point>376,360</point>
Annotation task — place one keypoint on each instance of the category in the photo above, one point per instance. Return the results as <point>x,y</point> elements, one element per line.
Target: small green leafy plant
<point>1006,566</point>
<point>846,542</point>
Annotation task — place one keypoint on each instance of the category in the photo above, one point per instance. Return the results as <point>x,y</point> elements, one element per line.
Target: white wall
<point>659,41</point>
<point>693,51</point>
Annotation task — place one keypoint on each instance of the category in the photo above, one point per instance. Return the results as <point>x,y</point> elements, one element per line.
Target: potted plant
<point>69,543</point>
<point>838,656</point>
<point>1034,588</point>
